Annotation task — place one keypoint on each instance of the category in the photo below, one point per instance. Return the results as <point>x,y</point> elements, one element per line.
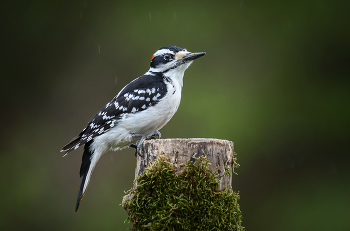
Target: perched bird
<point>138,111</point>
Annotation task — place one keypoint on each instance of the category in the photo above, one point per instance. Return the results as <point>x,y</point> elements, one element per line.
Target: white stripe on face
<point>163,51</point>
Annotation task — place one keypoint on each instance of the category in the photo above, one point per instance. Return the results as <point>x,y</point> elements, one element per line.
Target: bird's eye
<point>167,57</point>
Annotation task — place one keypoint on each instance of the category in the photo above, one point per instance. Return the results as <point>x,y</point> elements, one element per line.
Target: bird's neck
<point>176,76</point>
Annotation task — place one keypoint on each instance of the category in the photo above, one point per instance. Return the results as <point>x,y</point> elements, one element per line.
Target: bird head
<point>172,58</point>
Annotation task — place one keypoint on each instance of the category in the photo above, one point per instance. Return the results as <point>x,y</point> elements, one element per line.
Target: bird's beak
<point>193,56</point>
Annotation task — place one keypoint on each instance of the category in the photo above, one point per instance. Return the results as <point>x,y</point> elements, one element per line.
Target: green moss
<point>190,200</point>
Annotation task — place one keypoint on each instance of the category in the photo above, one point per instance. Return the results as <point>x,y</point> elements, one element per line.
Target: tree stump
<point>186,186</point>
<point>218,152</point>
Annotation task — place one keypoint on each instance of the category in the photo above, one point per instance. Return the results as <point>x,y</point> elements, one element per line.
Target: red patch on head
<point>152,57</point>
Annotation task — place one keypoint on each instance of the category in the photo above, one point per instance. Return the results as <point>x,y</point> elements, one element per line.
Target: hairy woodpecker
<point>136,113</point>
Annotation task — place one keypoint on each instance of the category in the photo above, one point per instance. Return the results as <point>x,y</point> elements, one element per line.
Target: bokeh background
<point>275,81</point>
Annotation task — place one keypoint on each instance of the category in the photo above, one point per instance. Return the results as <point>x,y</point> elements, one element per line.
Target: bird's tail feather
<point>80,193</point>
<point>89,160</point>
<point>84,169</point>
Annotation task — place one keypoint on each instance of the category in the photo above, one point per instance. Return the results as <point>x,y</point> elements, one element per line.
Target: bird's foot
<point>133,146</point>
<point>154,135</point>
<point>138,144</point>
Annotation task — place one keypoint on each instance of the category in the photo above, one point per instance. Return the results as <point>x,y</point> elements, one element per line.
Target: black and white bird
<point>136,113</point>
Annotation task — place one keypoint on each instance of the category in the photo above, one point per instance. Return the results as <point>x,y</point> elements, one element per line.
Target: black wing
<point>137,96</point>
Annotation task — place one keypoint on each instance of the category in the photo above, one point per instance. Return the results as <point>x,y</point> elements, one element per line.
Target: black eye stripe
<point>162,59</point>
<point>168,57</point>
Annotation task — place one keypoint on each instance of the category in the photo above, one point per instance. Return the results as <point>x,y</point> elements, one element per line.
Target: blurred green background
<point>275,81</point>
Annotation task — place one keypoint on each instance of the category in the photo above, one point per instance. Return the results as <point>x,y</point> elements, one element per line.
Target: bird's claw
<point>154,135</point>
<point>133,146</point>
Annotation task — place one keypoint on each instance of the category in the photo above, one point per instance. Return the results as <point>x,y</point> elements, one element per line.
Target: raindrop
<point>85,4</point>
<point>292,166</point>
<point>241,2</point>
<point>116,80</point>
<point>99,49</point>
<point>150,15</point>
<point>332,169</point>
<point>174,15</point>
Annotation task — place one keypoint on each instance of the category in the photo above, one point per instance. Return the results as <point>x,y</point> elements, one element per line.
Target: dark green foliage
<point>190,200</point>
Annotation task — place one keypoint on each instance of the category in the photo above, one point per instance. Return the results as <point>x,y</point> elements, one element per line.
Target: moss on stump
<point>190,200</point>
